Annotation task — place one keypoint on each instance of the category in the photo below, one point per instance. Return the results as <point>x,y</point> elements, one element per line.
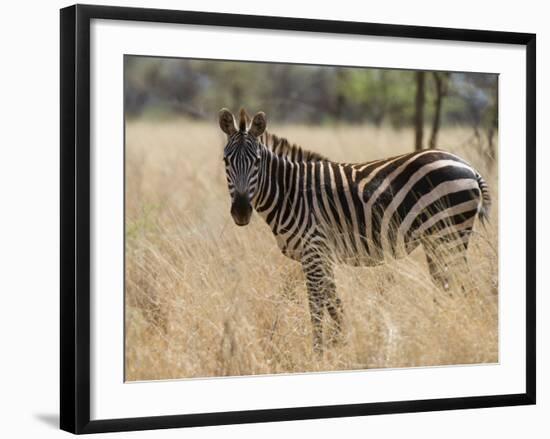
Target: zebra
<point>363,214</point>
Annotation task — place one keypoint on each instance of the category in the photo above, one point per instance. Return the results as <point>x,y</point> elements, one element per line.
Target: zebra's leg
<point>317,270</point>
<point>447,259</point>
<point>459,254</point>
<point>436,264</point>
<point>315,299</point>
<point>334,306</point>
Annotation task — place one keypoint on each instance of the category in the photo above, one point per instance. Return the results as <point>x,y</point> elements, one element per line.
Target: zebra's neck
<point>278,195</point>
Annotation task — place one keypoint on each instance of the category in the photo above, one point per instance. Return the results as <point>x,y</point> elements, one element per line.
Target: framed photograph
<point>268,218</point>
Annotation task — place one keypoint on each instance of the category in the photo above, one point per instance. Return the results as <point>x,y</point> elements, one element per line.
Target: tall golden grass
<point>207,298</point>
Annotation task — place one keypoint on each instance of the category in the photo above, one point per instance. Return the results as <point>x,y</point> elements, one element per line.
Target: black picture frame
<point>75,217</point>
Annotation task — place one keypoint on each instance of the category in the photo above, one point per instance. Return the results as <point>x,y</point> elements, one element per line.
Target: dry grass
<point>207,298</point>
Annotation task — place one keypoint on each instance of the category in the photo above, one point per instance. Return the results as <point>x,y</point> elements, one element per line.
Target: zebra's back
<point>386,207</point>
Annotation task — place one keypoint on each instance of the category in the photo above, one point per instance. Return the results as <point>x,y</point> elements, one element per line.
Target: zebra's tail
<point>485,199</point>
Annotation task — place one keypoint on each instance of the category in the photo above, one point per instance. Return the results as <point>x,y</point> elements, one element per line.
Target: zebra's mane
<point>283,148</point>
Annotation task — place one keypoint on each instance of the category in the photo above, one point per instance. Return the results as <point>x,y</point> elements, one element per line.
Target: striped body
<point>366,212</point>
<point>322,212</point>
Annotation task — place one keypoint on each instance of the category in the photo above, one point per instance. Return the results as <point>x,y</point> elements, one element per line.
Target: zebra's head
<point>242,159</point>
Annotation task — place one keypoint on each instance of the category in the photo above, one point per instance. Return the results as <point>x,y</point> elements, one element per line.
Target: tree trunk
<point>340,96</point>
<point>440,91</point>
<point>493,125</point>
<point>419,110</point>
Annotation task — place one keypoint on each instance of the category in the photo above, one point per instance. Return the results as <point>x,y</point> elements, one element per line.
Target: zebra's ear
<point>258,125</point>
<point>227,122</point>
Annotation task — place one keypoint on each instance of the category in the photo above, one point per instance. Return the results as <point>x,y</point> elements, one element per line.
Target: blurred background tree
<point>307,94</point>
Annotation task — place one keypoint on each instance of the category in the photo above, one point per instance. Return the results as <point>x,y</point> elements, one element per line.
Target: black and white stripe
<point>322,212</point>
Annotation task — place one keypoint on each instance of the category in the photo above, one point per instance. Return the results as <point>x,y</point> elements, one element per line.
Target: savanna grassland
<point>207,298</point>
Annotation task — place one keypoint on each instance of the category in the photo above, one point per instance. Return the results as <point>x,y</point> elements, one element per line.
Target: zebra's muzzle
<point>241,210</point>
